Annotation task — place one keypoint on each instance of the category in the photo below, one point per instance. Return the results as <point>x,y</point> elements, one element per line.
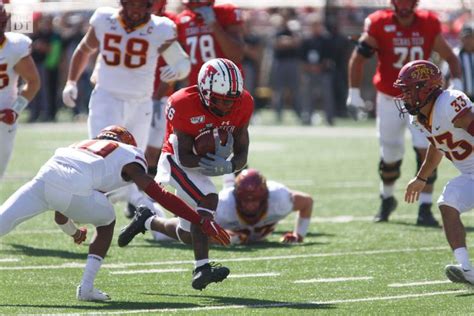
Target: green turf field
<point>347,265</point>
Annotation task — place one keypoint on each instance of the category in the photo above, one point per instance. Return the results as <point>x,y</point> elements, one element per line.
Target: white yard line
<point>147,271</point>
<point>243,259</point>
<point>9,260</point>
<point>283,304</point>
<point>330,280</point>
<point>419,283</point>
<point>254,275</point>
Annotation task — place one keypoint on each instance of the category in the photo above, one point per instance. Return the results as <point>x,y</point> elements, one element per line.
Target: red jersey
<point>161,61</point>
<point>186,113</point>
<point>397,45</point>
<point>198,39</point>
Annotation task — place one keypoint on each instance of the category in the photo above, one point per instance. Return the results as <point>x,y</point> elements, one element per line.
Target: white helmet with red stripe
<point>220,85</point>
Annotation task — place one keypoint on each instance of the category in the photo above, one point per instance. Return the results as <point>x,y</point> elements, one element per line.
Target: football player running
<point>446,117</point>
<point>129,40</point>
<point>16,61</point>
<point>397,36</point>
<point>74,182</point>
<point>217,101</point>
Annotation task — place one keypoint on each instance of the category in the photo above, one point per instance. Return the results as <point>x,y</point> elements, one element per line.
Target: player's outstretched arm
<point>303,204</point>
<point>68,227</point>
<point>444,50</point>
<point>414,187</point>
<point>171,202</point>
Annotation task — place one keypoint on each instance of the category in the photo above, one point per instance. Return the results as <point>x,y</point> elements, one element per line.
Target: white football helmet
<point>220,85</point>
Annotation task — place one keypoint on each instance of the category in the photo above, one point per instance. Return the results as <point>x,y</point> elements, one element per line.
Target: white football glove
<point>168,74</point>
<point>355,104</point>
<point>455,84</point>
<point>70,94</point>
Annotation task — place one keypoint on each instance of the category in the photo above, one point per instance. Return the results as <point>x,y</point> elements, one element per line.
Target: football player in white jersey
<point>446,117</point>
<point>251,209</point>
<point>15,62</point>
<point>74,182</point>
<point>129,40</point>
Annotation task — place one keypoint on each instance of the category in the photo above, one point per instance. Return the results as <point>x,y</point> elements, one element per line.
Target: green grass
<point>337,166</point>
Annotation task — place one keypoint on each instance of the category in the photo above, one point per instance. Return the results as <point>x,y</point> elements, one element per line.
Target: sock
<point>148,222</point>
<point>200,263</point>
<point>425,198</point>
<point>462,258</point>
<point>386,190</point>
<point>90,271</point>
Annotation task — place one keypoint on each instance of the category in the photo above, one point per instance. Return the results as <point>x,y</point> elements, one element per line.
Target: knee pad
<point>393,170</point>
<point>419,161</point>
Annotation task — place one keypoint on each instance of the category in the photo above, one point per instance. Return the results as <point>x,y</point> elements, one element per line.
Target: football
<point>204,143</point>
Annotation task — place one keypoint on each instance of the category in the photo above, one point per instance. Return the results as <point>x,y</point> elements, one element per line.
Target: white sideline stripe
<point>225,307</point>
<point>147,271</point>
<point>333,280</point>
<point>419,283</point>
<point>287,257</point>
<point>9,260</point>
<point>252,275</point>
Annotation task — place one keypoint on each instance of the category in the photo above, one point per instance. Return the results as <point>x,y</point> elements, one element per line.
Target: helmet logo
<point>210,72</point>
<point>422,73</point>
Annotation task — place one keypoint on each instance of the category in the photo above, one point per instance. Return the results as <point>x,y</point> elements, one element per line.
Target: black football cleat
<point>136,226</point>
<point>208,273</point>
<point>130,211</point>
<point>425,216</point>
<point>388,206</point>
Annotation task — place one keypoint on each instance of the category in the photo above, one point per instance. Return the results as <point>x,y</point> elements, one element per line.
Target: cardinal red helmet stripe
<point>234,83</point>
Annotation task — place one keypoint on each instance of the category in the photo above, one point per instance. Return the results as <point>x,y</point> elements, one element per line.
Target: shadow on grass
<point>42,252</point>
<point>412,224</point>
<point>210,302</point>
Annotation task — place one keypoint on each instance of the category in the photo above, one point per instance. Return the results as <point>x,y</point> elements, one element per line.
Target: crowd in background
<point>294,59</point>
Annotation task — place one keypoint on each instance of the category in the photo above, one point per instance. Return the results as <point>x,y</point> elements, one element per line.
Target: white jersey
<point>90,165</point>
<point>456,143</point>
<point>15,47</point>
<point>128,61</point>
<point>280,204</point>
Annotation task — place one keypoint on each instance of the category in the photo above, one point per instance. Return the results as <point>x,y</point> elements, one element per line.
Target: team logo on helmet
<point>117,133</point>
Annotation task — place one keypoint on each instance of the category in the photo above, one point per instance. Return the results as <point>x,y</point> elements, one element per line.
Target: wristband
<point>421,179</point>
<point>20,104</point>
<point>302,224</point>
<point>68,228</point>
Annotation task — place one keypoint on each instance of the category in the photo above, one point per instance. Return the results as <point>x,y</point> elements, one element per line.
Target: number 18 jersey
<point>398,45</point>
<point>128,58</point>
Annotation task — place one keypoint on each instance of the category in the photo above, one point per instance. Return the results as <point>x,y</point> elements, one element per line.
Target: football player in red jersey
<point>397,35</point>
<point>217,101</point>
<point>208,31</point>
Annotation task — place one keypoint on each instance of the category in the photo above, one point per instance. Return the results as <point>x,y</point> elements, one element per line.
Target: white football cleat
<point>91,295</point>
<point>457,274</point>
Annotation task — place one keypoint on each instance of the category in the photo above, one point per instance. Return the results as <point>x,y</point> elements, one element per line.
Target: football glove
<point>80,235</point>
<point>291,238</point>
<point>157,104</point>
<point>207,14</point>
<point>214,165</point>
<point>355,104</point>
<point>70,94</point>
<point>213,230</point>
<point>8,116</point>
<point>168,74</point>
<point>224,151</point>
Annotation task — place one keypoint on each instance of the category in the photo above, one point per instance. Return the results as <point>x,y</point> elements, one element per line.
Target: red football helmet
<point>135,12</point>
<point>404,8</point>
<point>220,85</point>
<point>117,133</point>
<point>420,81</point>
<point>158,7</point>
<point>251,195</point>
<point>192,4</point>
